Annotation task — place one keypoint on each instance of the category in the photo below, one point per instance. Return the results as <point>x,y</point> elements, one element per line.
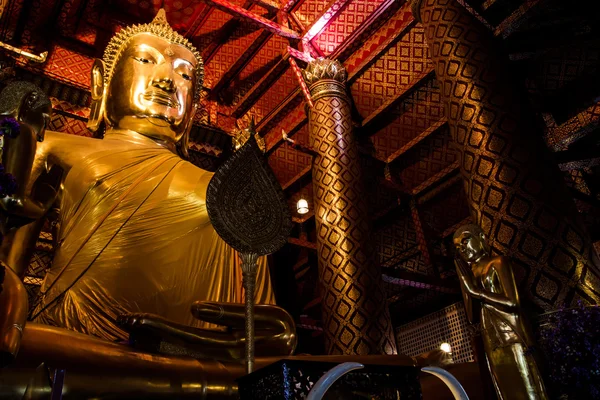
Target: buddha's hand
<point>231,315</point>
<point>147,324</point>
<point>275,332</point>
<point>228,315</point>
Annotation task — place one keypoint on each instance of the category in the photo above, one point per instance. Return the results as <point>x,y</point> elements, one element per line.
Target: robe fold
<point>135,236</point>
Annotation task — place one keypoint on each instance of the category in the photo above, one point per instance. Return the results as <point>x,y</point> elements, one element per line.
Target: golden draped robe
<point>135,236</point>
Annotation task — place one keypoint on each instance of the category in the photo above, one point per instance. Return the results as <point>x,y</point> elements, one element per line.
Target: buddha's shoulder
<point>193,175</point>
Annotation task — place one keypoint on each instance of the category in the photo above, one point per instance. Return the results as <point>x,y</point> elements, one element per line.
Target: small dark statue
<point>24,114</point>
<point>488,282</point>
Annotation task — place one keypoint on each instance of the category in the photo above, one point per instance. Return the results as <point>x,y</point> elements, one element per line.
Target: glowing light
<point>302,206</point>
<point>446,348</point>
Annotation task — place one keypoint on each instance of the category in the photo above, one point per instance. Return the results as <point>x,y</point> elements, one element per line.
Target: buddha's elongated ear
<point>97,90</point>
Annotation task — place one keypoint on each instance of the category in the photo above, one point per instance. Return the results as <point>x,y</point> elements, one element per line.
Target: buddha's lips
<point>161,98</point>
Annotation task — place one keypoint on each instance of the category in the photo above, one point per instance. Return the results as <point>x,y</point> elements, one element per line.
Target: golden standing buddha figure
<point>134,235</point>
<point>507,339</point>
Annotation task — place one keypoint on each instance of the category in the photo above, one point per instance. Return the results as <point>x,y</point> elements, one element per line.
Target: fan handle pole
<point>249,268</point>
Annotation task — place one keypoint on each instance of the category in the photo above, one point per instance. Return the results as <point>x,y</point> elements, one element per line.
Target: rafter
<point>332,9</point>
<point>303,243</point>
<point>198,22</point>
<point>355,40</point>
<point>313,303</point>
<point>223,36</point>
<point>517,18</point>
<point>446,181</point>
<point>261,86</point>
<point>243,13</point>
<point>388,105</point>
<point>300,264</point>
<point>417,139</point>
<point>303,175</point>
<point>288,5</point>
<point>375,21</point>
<point>269,4</point>
<point>242,61</point>
<point>432,181</point>
<point>382,214</point>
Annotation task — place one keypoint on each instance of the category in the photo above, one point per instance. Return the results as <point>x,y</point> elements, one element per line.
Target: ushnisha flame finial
<point>159,27</point>
<point>160,18</point>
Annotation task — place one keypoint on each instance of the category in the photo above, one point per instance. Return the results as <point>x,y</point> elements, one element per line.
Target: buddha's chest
<point>134,188</point>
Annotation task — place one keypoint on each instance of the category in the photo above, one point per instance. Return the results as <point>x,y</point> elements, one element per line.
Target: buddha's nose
<point>163,78</point>
<point>165,84</point>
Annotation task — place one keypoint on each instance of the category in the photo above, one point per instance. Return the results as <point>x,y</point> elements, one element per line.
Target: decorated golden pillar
<point>514,190</point>
<point>355,315</point>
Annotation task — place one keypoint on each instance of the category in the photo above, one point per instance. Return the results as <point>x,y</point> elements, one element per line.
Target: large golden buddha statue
<point>134,235</point>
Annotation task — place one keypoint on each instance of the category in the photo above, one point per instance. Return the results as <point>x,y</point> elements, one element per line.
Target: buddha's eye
<point>142,60</point>
<point>186,77</point>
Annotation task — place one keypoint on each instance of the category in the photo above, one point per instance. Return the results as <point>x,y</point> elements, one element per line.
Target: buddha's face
<point>152,88</point>
<point>471,245</point>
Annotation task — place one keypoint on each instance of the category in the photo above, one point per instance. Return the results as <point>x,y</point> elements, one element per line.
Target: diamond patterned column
<point>356,319</point>
<point>515,192</point>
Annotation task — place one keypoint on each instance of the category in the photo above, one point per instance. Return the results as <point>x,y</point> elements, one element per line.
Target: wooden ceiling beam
<point>303,243</point>
<point>261,86</point>
<point>382,14</point>
<point>418,139</point>
<point>434,180</point>
<point>289,5</point>
<point>241,62</point>
<point>519,16</point>
<point>308,323</point>
<point>388,105</point>
<point>198,22</point>
<point>246,15</point>
<point>268,4</point>
<point>360,35</point>
<point>398,259</point>
<point>446,181</point>
<point>301,176</point>
<point>223,36</point>
<point>324,19</point>
<point>314,302</point>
